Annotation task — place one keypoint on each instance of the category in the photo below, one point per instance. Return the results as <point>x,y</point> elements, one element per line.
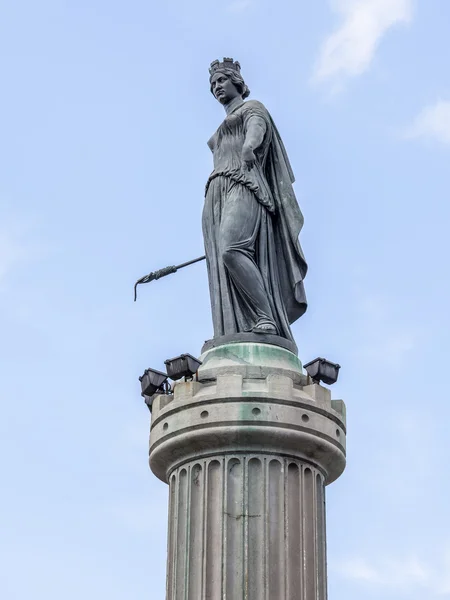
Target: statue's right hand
<point>248,157</point>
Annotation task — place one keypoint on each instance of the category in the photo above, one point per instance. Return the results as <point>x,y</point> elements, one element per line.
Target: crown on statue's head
<point>228,63</point>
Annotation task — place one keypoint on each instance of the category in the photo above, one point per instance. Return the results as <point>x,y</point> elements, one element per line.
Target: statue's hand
<point>248,158</point>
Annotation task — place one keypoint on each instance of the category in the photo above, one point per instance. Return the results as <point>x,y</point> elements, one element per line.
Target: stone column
<point>247,451</point>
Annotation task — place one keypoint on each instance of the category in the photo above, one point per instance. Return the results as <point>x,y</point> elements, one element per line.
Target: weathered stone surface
<point>252,361</point>
<point>247,452</point>
<point>318,393</point>
<point>247,527</point>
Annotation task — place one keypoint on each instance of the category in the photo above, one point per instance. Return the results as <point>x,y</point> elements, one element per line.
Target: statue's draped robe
<point>254,213</point>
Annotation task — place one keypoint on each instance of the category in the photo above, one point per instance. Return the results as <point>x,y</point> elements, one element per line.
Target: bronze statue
<point>251,218</point>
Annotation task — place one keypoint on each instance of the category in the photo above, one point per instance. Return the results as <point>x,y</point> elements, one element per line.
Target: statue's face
<point>223,89</point>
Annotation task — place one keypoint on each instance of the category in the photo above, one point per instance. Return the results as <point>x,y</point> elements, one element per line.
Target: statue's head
<point>226,81</point>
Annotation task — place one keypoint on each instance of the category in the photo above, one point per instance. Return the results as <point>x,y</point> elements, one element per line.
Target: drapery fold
<point>251,224</point>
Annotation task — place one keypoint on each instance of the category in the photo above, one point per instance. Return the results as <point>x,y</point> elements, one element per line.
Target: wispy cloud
<point>408,573</point>
<point>15,247</point>
<point>433,122</point>
<point>349,50</point>
<point>238,6</point>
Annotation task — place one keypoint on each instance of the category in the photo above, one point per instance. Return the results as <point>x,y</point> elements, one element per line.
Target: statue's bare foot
<point>265,327</point>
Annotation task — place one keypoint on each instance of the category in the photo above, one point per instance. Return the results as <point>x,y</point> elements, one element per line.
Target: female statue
<point>251,219</point>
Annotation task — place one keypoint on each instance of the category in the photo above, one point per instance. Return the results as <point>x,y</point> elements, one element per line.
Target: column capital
<point>249,398</point>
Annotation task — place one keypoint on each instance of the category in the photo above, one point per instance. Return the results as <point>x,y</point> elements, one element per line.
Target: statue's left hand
<point>248,157</point>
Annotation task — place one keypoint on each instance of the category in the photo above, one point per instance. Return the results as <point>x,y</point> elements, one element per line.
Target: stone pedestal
<point>247,451</point>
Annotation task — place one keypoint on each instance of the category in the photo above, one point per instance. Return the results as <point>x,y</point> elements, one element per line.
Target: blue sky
<point>105,113</point>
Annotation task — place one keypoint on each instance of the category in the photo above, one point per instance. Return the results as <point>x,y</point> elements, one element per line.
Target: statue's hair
<point>235,78</point>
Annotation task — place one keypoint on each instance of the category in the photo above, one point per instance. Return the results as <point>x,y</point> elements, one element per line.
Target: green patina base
<point>251,360</point>
<point>253,353</point>
<point>249,337</point>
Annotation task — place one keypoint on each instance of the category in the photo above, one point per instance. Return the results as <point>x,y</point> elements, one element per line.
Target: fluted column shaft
<point>247,450</point>
<point>246,527</point>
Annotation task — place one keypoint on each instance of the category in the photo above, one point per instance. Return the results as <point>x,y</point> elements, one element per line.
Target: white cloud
<point>349,50</point>
<point>238,6</point>
<point>409,573</point>
<point>432,123</point>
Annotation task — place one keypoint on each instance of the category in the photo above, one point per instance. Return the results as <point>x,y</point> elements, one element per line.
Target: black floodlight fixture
<point>184,365</point>
<point>322,369</point>
<point>153,381</point>
<point>149,402</point>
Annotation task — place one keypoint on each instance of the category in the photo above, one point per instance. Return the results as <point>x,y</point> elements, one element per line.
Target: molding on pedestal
<point>233,413</point>
<point>249,337</point>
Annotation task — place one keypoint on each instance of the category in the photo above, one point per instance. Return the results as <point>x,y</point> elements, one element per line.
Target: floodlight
<point>184,365</point>
<point>322,369</point>
<point>152,381</point>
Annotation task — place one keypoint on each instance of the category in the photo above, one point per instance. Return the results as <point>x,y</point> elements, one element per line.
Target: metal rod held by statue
<point>154,275</point>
